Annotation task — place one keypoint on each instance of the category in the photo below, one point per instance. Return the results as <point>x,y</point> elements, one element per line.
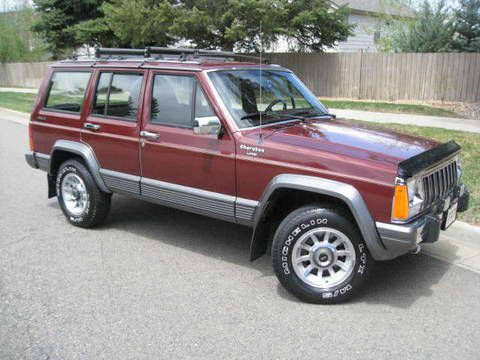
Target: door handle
<point>93,127</point>
<point>41,118</point>
<point>149,135</point>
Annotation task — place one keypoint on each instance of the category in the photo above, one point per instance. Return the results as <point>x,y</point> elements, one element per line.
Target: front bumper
<point>404,238</point>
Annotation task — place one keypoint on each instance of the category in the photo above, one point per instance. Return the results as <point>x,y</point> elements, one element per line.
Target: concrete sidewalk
<point>459,245</point>
<point>407,119</point>
<point>19,90</point>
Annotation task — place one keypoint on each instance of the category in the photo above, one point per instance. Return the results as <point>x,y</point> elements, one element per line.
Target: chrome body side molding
<point>208,203</point>
<point>121,182</point>
<point>338,190</point>
<point>245,211</point>
<point>220,206</point>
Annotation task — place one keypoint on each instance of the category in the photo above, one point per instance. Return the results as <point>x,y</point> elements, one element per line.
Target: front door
<point>112,127</point>
<point>179,168</point>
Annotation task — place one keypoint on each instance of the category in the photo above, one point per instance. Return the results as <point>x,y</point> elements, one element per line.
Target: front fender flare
<point>334,189</point>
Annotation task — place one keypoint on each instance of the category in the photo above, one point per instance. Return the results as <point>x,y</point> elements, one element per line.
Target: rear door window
<point>67,91</point>
<point>117,95</point>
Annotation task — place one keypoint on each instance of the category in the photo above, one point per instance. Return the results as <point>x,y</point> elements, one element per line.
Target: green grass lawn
<point>17,101</point>
<point>388,107</point>
<point>470,158</point>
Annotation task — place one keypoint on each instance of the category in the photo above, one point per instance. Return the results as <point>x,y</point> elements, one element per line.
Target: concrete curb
<point>459,245</point>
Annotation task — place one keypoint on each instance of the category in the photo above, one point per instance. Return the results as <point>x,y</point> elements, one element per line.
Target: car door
<point>112,127</point>
<point>180,168</point>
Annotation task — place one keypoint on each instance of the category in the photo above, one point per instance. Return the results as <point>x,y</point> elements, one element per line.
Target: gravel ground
<point>156,283</point>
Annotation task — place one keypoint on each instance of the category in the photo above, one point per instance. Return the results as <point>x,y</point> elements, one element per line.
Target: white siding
<point>363,38</point>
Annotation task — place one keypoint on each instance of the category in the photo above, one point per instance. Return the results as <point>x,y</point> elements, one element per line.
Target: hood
<point>349,138</point>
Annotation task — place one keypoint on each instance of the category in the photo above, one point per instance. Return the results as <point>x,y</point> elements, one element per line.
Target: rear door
<point>113,124</point>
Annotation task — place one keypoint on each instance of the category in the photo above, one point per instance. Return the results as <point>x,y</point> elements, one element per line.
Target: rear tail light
<point>30,138</point>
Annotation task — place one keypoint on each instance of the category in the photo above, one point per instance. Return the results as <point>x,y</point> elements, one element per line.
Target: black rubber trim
<point>422,161</point>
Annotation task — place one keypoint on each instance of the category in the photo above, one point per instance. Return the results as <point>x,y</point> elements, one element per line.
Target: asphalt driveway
<point>156,283</point>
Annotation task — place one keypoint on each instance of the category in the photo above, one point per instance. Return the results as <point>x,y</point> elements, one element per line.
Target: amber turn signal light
<point>400,203</point>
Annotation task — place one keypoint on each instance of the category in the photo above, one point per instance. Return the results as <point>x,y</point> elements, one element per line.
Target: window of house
<point>67,91</point>
<point>117,95</point>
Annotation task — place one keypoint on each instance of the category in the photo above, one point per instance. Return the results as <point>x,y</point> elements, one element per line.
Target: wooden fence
<point>28,75</point>
<point>439,77</point>
<point>442,77</point>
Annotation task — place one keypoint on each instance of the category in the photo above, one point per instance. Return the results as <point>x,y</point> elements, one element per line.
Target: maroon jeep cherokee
<point>245,142</point>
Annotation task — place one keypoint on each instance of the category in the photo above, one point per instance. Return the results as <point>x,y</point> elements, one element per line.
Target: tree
<point>17,43</point>
<point>138,23</point>
<point>215,24</point>
<point>235,24</point>
<point>430,31</point>
<point>67,24</point>
<point>467,26</point>
<point>227,24</point>
<point>312,25</point>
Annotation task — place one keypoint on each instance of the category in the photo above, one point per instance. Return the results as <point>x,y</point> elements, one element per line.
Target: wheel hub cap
<point>74,194</point>
<point>323,257</point>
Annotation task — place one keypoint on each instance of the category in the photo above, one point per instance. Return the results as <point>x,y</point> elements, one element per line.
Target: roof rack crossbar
<point>183,53</point>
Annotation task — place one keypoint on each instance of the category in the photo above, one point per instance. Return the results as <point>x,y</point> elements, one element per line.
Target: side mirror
<point>207,125</point>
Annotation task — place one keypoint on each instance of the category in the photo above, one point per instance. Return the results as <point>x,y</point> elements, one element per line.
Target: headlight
<point>408,198</point>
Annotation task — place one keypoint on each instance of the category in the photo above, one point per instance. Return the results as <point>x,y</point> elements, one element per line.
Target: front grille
<point>439,183</point>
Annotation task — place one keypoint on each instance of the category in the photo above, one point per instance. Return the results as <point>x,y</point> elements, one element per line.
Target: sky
<point>7,5</point>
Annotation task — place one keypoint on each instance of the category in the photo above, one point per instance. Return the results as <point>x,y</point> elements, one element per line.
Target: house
<point>368,16</point>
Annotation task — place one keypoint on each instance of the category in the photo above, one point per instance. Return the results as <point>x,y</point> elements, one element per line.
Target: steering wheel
<point>275,102</point>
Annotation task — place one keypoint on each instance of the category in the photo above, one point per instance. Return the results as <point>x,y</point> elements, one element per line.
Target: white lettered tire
<point>82,202</point>
<point>319,255</point>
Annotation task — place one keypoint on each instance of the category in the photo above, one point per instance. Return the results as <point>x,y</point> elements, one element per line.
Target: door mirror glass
<point>207,125</point>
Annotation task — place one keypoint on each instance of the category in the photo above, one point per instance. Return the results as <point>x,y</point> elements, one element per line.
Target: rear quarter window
<point>67,91</point>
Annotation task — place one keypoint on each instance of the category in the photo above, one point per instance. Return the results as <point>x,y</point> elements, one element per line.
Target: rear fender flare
<point>86,153</point>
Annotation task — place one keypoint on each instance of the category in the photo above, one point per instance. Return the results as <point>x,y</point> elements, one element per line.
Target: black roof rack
<point>183,54</point>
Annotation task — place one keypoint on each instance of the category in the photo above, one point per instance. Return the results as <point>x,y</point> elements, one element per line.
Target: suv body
<point>191,134</point>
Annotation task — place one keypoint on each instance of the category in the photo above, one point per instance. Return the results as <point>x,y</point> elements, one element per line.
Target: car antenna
<point>260,136</point>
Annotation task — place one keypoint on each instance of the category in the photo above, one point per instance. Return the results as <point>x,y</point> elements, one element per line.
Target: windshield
<point>282,96</point>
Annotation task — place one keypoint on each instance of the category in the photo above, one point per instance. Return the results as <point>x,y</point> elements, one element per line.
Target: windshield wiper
<point>270,113</point>
<point>313,112</point>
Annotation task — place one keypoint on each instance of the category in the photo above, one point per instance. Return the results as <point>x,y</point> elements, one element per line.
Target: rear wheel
<point>80,199</point>
<point>319,255</point>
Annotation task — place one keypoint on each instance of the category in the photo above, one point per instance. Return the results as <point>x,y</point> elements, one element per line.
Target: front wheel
<point>319,255</point>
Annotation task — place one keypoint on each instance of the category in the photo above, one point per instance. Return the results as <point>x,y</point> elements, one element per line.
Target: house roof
<point>390,7</point>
